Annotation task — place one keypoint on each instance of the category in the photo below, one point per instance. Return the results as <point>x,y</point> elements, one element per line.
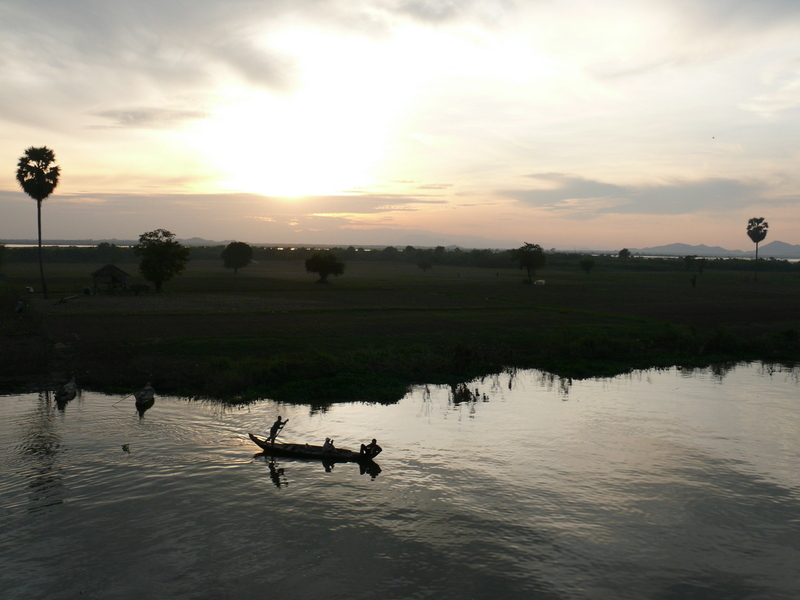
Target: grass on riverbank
<point>271,332</point>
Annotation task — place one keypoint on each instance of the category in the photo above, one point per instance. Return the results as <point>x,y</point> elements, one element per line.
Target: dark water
<point>660,485</point>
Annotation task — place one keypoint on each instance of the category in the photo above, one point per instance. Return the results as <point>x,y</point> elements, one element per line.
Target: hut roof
<point>112,271</point>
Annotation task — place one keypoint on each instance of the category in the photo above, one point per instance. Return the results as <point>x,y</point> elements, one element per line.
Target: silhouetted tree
<point>162,256</point>
<point>586,264</point>
<point>390,253</point>
<point>625,253</point>
<point>424,264</point>
<point>38,177</point>
<point>324,264</point>
<point>530,257</point>
<point>237,255</point>
<point>3,250</point>
<point>757,231</point>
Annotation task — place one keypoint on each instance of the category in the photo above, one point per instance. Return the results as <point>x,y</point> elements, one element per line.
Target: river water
<point>658,485</point>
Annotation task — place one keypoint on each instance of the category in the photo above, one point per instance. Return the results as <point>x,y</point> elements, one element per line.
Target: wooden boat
<point>309,451</point>
<point>66,391</point>
<point>146,395</point>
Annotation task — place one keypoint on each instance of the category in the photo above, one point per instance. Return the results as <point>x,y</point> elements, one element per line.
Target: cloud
<point>578,197</point>
<point>94,49</point>
<point>148,117</point>
<point>437,12</point>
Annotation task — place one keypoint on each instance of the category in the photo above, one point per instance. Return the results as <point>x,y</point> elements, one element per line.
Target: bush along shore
<point>274,334</point>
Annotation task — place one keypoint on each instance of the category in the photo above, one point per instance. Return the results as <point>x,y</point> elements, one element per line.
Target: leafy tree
<point>324,264</point>
<point>162,256</point>
<point>757,231</point>
<point>237,255</point>
<point>625,253</point>
<point>586,264</point>
<point>530,257</point>
<point>424,264</point>
<point>38,177</point>
<point>390,253</point>
<point>3,251</point>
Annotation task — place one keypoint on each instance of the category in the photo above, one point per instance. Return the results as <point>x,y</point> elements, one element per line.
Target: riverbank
<point>271,332</point>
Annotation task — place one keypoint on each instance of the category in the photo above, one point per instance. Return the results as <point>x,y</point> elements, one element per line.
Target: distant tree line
<point>424,258</point>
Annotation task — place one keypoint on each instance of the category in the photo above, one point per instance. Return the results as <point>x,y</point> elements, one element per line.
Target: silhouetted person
<point>276,427</point>
<point>371,450</point>
<point>327,447</point>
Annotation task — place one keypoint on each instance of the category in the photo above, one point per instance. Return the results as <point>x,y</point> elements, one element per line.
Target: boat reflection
<point>143,407</point>
<point>278,473</point>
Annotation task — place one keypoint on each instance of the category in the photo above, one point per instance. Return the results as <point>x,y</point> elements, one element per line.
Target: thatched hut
<point>110,279</point>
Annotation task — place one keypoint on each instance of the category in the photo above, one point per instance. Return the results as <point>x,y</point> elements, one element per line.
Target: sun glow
<point>322,137</point>
<point>288,146</point>
<point>333,130</point>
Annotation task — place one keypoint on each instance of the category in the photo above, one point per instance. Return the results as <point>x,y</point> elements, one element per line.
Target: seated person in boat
<point>276,427</point>
<point>327,447</point>
<point>371,450</point>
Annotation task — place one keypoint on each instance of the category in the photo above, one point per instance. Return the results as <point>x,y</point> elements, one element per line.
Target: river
<point>662,484</point>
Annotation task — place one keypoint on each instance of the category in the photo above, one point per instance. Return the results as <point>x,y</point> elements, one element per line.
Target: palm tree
<point>757,231</point>
<point>38,179</point>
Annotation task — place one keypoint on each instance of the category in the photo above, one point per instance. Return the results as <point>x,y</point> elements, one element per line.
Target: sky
<point>573,124</point>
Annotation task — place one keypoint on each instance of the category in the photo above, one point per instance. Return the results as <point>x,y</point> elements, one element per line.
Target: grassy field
<point>270,331</point>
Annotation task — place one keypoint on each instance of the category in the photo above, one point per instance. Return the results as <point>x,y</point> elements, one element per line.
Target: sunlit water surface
<point>658,485</point>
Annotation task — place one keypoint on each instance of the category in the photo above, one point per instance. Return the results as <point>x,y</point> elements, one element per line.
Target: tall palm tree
<point>757,231</point>
<point>38,179</point>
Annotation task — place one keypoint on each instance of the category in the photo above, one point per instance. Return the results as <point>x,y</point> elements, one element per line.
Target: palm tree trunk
<point>41,264</point>
<point>756,268</point>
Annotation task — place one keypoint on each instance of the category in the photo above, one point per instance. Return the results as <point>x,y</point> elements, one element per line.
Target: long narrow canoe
<point>308,451</point>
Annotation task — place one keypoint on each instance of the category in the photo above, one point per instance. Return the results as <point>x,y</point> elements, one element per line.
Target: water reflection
<point>651,485</point>
<point>40,448</point>
<point>492,386</point>
<point>143,407</point>
<point>278,474</point>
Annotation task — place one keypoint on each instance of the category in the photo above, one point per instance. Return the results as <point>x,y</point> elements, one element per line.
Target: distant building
<point>110,279</point>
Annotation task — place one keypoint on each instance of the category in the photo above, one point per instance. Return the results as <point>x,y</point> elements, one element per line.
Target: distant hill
<point>773,249</point>
<point>779,250</point>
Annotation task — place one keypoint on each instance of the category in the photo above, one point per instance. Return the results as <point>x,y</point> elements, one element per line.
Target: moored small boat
<point>309,451</point>
<point>146,395</point>
<point>66,391</point>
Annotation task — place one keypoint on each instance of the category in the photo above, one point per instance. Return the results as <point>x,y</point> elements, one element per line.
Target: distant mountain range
<point>772,250</point>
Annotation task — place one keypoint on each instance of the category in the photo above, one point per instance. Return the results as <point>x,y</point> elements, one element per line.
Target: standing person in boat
<point>276,427</point>
<point>371,450</point>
